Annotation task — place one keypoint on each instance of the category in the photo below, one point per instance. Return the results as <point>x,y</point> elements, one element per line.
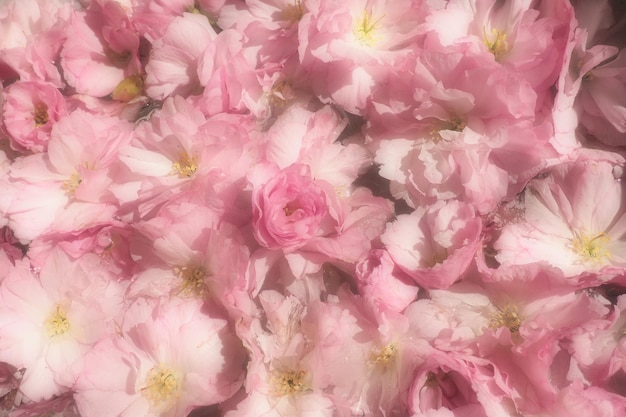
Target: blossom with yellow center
<point>192,279</point>
<point>185,166</point>
<point>57,323</point>
<point>366,28</point>
<point>496,42</point>
<point>162,385</point>
<point>507,316</point>
<point>70,185</point>
<point>592,248</point>
<point>287,381</point>
<point>385,356</point>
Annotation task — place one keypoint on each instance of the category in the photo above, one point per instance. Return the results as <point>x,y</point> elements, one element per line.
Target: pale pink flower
<point>346,48</point>
<point>191,253</point>
<point>173,63</point>
<point>379,280</point>
<point>52,317</point>
<point>515,35</point>
<point>181,152</point>
<point>573,219</point>
<point>33,33</point>
<point>434,245</point>
<point>75,170</point>
<point>29,111</point>
<point>170,358</point>
<point>101,49</point>
<point>308,135</point>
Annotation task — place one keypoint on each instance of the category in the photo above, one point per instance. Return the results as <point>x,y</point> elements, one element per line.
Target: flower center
<point>593,248</point>
<point>496,42</point>
<point>162,385</point>
<point>365,29</point>
<point>508,317</point>
<point>383,357</point>
<point>72,184</point>
<point>186,165</point>
<point>57,324</point>
<point>293,12</point>
<point>287,381</point>
<point>41,114</point>
<point>193,279</point>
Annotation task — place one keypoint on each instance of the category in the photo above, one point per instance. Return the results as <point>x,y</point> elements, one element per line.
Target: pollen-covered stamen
<point>293,12</point>
<point>592,248</point>
<point>186,165</point>
<point>57,323</point>
<point>507,316</point>
<point>162,385</point>
<point>287,381</point>
<point>40,115</point>
<point>70,185</point>
<point>496,42</point>
<point>385,356</point>
<point>366,28</point>
<point>193,279</point>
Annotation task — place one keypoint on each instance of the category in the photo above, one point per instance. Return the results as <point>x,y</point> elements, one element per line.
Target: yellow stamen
<point>162,385</point>
<point>186,165</point>
<point>508,317</point>
<point>365,29</point>
<point>57,324</point>
<point>383,357</point>
<point>592,248</point>
<point>496,42</point>
<point>286,381</point>
<point>192,279</point>
<point>71,184</point>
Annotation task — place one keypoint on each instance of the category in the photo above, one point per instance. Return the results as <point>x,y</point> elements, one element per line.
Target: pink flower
<point>434,245</point>
<point>289,208</point>
<point>170,358</point>
<point>574,219</point>
<point>52,317</point>
<point>173,64</point>
<point>30,110</point>
<point>74,170</point>
<point>33,36</point>
<point>101,49</point>
<point>377,279</point>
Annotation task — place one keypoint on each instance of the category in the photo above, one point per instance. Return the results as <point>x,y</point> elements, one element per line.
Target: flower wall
<point>277,208</point>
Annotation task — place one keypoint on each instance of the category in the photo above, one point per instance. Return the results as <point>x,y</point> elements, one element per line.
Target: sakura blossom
<point>319,208</point>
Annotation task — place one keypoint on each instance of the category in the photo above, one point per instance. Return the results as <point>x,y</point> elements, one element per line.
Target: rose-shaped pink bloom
<point>29,111</point>
<point>289,208</point>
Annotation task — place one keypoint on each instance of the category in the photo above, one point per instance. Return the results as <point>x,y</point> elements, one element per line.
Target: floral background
<point>259,208</point>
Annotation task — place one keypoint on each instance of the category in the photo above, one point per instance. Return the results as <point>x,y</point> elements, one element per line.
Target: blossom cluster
<point>316,208</point>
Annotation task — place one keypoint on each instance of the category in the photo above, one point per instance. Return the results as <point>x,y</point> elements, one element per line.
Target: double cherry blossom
<point>312,208</point>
